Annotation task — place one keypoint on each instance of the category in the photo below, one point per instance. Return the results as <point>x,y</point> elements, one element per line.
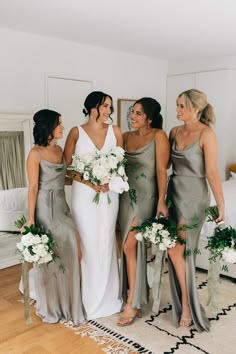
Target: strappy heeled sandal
<point>128,320</point>
<point>186,321</point>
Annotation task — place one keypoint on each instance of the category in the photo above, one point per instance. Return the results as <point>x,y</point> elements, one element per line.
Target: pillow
<point>233,174</point>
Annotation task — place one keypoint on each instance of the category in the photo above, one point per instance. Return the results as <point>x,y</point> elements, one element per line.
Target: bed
<point>13,204</point>
<point>229,190</point>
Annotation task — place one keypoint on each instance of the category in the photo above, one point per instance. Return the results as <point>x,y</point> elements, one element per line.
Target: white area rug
<point>155,334</point>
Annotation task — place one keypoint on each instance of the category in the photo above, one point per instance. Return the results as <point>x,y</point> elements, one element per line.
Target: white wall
<point>226,120</point>
<point>26,59</point>
<point>201,64</point>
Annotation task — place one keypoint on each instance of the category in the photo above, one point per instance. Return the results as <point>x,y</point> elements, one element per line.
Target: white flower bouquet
<point>37,247</point>
<point>102,169</point>
<point>159,231</point>
<point>222,245</point>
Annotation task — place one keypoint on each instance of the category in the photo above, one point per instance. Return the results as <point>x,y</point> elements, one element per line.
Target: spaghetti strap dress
<point>58,296</point>
<point>189,194</point>
<point>96,224</point>
<point>141,174</point>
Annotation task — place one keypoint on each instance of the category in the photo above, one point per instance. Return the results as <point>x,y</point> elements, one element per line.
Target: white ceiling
<point>167,29</point>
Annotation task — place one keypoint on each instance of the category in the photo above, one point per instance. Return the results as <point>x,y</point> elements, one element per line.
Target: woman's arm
<point>32,164</point>
<point>118,135</point>
<point>209,146</point>
<point>171,138</point>
<point>69,150</point>
<point>71,141</point>
<point>162,158</point>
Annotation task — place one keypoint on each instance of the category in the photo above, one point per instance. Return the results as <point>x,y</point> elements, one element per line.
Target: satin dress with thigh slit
<point>141,174</point>
<point>188,191</point>
<point>58,293</point>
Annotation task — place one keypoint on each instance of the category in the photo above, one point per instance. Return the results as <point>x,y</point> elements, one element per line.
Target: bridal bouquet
<point>102,169</point>
<point>161,231</point>
<point>222,245</point>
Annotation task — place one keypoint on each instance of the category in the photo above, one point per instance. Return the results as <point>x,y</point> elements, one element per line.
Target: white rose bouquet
<point>222,245</point>
<point>160,231</point>
<point>37,247</point>
<point>102,169</point>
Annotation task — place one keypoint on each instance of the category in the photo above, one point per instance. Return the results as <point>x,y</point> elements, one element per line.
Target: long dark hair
<point>152,109</point>
<point>45,121</point>
<point>94,100</point>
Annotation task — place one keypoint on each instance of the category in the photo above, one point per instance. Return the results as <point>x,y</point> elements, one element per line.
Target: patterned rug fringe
<point>113,345</point>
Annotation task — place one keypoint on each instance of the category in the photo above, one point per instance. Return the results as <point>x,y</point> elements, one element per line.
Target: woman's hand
<point>28,224</point>
<point>221,213</point>
<point>162,209</point>
<point>103,188</point>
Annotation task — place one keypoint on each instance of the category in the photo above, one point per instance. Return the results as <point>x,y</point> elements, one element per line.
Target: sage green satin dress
<point>57,294</point>
<point>141,174</point>
<point>189,194</point>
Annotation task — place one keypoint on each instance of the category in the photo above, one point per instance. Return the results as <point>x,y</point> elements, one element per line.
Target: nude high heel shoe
<point>126,320</point>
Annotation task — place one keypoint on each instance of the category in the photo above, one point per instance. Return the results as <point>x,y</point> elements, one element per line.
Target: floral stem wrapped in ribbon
<point>37,247</point>
<point>102,169</point>
<point>222,245</point>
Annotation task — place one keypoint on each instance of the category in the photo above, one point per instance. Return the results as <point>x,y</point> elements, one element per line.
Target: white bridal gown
<point>96,225</point>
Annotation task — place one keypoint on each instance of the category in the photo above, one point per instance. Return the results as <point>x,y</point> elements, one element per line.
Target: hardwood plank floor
<point>38,338</point>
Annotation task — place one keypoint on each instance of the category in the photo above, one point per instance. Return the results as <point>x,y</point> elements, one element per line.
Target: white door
<point>66,96</point>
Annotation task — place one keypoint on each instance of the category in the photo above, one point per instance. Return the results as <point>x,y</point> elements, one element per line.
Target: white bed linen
<point>229,190</point>
<point>13,204</point>
<point>13,199</point>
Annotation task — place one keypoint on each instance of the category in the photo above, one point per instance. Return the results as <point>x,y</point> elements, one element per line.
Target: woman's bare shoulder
<point>34,153</point>
<point>173,131</point>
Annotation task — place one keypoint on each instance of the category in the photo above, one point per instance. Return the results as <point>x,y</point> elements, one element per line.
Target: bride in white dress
<point>96,222</point>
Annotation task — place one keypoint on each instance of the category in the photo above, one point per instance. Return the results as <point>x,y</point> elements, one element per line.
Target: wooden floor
<point>38,338</point>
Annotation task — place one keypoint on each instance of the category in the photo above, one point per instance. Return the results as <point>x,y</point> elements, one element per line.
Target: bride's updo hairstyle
<point>152,109</point>
<point>45,121</point>
<point>197,99</point>
<point>94,100</point>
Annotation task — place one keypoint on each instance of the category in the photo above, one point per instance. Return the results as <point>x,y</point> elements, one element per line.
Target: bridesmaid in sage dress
<point>58,295</point>
<point>194,158</point>
<point>147,152</point>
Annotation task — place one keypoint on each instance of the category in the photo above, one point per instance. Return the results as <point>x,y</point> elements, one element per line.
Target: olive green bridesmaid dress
<point>141,173</point>
<point>189,194</point>
<point>58,296</point>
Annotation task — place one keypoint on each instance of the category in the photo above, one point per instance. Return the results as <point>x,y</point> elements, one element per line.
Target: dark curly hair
<point>94,100</point>
<point>152,109</point>
<point>45,121</point>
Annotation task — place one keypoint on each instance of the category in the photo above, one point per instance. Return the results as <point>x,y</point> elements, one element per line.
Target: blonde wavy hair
<point>197,99</point>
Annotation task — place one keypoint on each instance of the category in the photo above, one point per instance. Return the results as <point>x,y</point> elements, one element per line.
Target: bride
<point>96,222</point>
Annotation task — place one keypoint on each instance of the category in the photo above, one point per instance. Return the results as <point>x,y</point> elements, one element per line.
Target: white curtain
<point>12,162</point>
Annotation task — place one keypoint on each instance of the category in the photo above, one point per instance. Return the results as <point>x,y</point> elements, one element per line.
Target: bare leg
<point>130,250</point>
<point>176,255</point>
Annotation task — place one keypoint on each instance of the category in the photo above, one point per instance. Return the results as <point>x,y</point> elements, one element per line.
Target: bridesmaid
<point>147,152</point>
<point>57,293</point>
<point>194,158</point>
